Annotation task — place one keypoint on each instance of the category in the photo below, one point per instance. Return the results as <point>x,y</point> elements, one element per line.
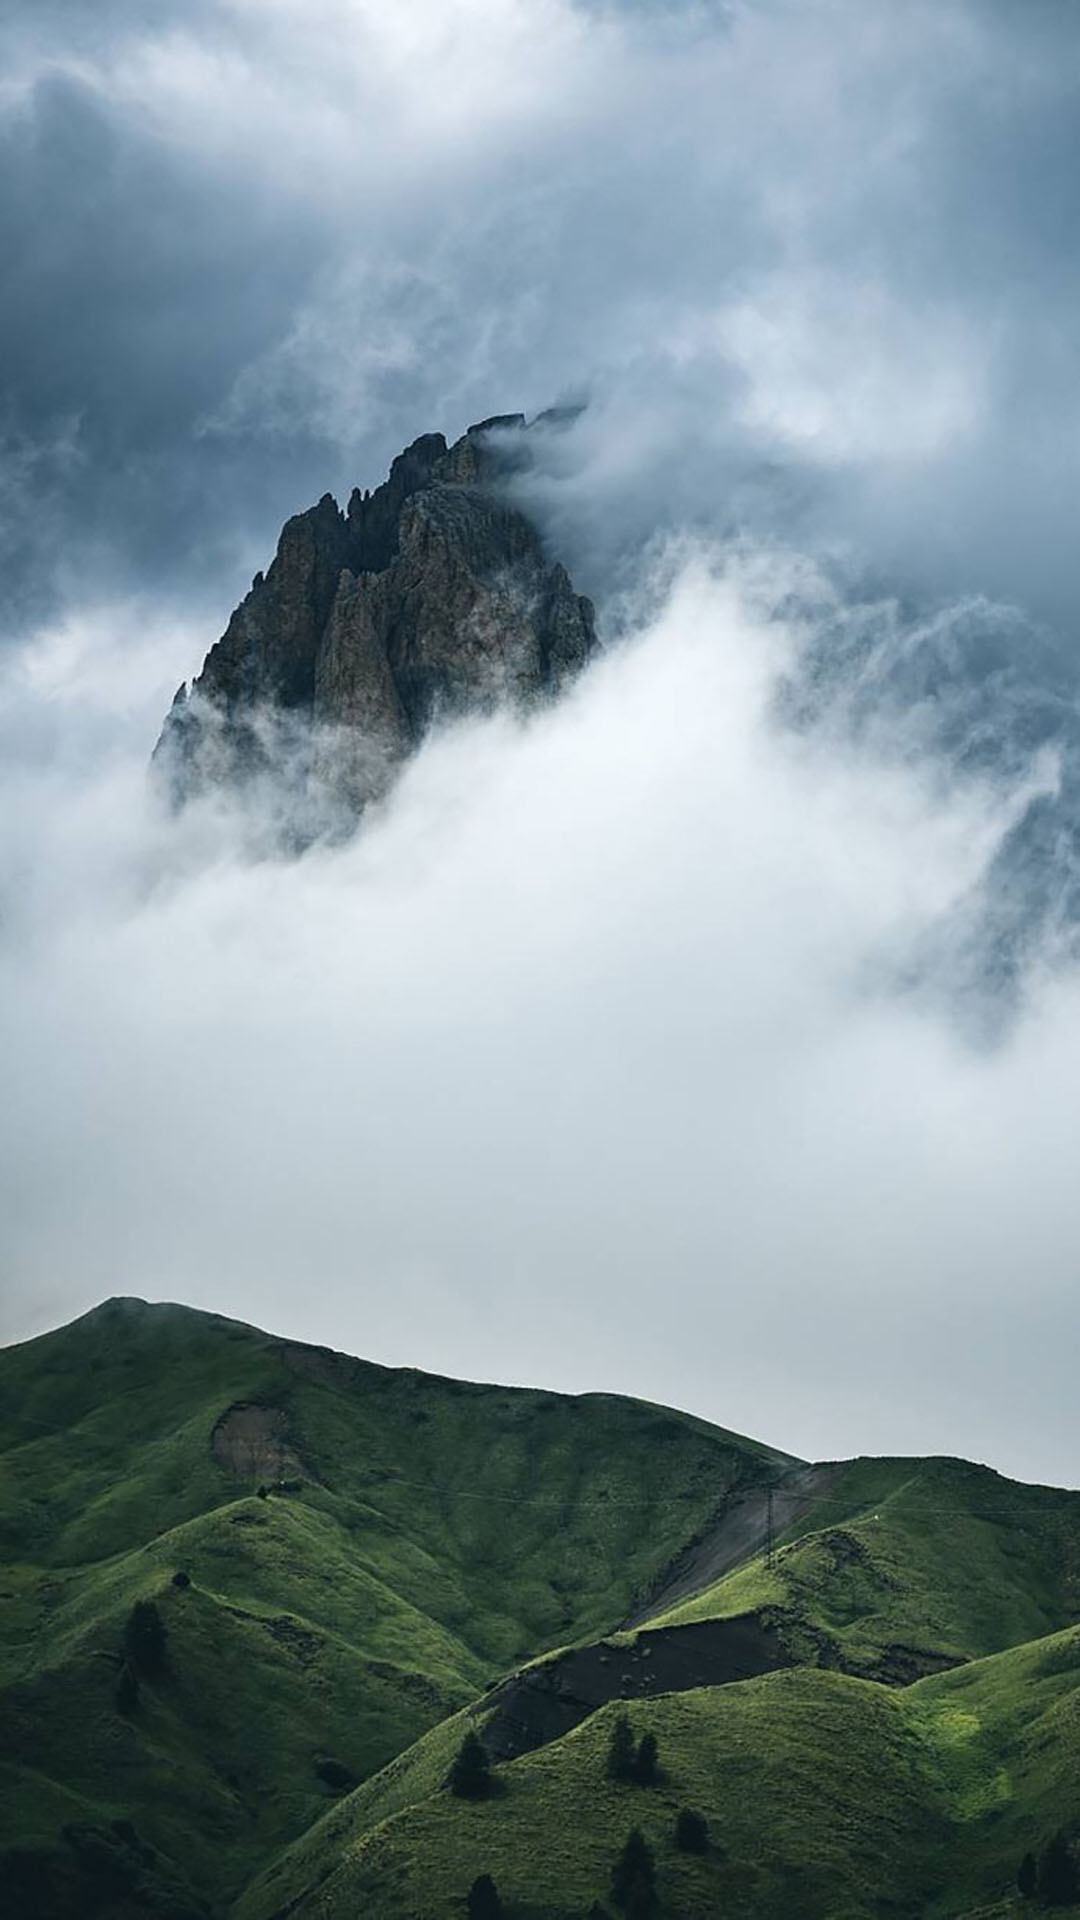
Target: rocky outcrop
<point>544,1701</point>
<point>430,598</point>
<point>251,1442</point>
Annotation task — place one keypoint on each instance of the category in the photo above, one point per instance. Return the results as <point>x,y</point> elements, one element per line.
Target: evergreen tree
<point>642,1902</point>
<point>645,1769</point>
<point>1059,1881</point>
<point>621,1757</point>
<point>633,1877</point>
<point>470,1775</point>
<point>127,1690</point>
<point>483,1902</point>
<point>144,1639</point>
<point>1027,1878</point>
<point>692,1832</point>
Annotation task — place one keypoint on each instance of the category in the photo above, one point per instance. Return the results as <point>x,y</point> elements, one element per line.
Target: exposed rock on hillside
<point>252,1442</point>
<point>429,598</point>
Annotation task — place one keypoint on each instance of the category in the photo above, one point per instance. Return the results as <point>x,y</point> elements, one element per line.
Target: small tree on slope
<point>620,1758</point>
<point>645,1761</point>
<point>1027,1877</point>
<point>484,1902</point>
<point>144,1639</point>
<point>633,1878</point>
<point>692,1832</point>
<point>1059,1881</point>
<point>127,1690</point>
<point>470,1775</point>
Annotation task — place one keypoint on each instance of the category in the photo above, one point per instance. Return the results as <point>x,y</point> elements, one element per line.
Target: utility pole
<point>769,1527</point>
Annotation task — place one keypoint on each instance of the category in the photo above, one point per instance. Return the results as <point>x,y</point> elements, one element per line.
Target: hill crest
<point>352,1563</point>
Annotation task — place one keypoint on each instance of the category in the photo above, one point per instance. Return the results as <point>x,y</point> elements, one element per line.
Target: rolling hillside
<point>362,1551</point>
<point>824,1795</point>
<point>877,1711</point>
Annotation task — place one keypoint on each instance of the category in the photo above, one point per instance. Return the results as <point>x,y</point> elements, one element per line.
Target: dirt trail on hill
<point>739,1532</point>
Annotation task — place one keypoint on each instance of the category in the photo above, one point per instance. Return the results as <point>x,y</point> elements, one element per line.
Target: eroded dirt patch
<point>251,1441</point>
<point>738,1532</point>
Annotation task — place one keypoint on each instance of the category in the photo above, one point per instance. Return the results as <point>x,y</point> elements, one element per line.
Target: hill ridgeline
<point>254,1595</point>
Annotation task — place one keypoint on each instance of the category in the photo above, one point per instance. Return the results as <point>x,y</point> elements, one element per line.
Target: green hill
<point>877,1710</point>
<point>363,1551</point>
<point>906,1563</point>
<point>824,1795</point>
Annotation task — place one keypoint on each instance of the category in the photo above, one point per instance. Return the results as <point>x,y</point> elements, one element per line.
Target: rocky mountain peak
<point>428,598</point>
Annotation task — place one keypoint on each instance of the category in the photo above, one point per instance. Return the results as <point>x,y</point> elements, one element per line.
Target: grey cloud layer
<point>596,1058</point>
<point>818,262</point>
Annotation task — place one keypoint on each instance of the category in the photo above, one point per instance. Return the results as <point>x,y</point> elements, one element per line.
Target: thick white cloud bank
<point>584,1063</point>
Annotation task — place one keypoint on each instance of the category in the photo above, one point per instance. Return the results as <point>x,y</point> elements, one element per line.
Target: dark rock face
<point>544,1701</point>
<point>430,598</point>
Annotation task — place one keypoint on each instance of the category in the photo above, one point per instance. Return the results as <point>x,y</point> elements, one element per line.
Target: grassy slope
<point>932,1554</point>
<point>450,1531</point>
<point>936,1555</point>
<point>826,1795</point>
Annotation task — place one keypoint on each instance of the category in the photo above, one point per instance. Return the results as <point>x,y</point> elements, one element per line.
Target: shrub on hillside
<point>470,1775</point>
<point>483,1902</point>
<point>145,1638</point>
<point>691,1831</point>
<point>620,1755</point>
<point>1059,1879</point>
<point>1027,1876</point>
<point>625,1762</point>
<point>334,1773</point>
<point>646,1771</point>
<point>633,1877</point>
<point>127,1690</point>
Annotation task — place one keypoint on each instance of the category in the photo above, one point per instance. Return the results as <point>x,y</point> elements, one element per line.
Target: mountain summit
<point>427,599</point>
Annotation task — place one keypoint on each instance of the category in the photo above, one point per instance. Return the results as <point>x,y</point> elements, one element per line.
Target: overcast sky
<point>639,1048</point>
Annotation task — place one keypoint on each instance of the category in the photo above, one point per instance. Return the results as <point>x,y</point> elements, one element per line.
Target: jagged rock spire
<point>429,598</point>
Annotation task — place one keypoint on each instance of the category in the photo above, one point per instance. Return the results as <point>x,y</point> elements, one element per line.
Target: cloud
<point>817,261</point>
<point>606,1054</point>
<point>582,1063</point>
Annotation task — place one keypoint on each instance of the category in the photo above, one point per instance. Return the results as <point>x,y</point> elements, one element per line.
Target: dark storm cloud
<point>136,288</point>
<point>817,264</point>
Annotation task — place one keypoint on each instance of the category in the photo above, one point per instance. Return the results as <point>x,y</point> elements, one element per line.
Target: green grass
<point>825,1795</point>
<point>447,1532</point>
<point>936,1555</point>
<point>785,1833</point>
